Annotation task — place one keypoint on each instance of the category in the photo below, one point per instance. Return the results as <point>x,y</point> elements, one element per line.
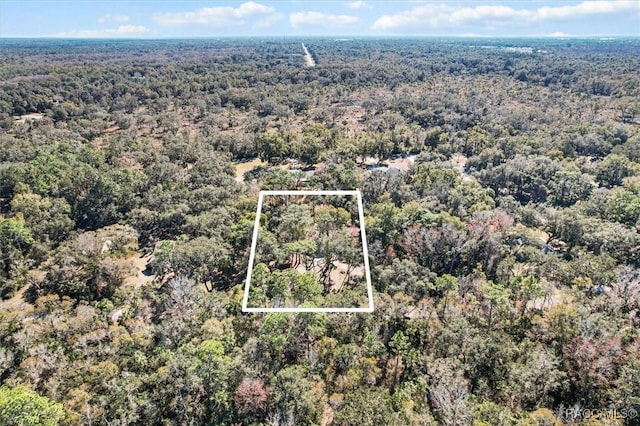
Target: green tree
<point>47,218</point>
<point>445,285</point>
<point>569,187</point>
<point>565,225</point>
<point>279,288</point>
<point>80,270</point>
<point>613,169</point>
<point>497,305</point>
<point>437,181</point>
<point>368,406</point>
<point>404,275</point>
<point>384,222</point>
<point>531,380</point>
<point>294,223</point>
<point>293,398</point>
<point>268,248</point>
<point>526,178</point>
<point>330,218</point>
<point>623,206</point>
<point>274,338</point>
<point>489,413</point>
<point>341,176</point>
<point>20,406</point>
<point>626,392</point>
<point>302,251</point>
<point>272,147</point>
<point>400,347</point>
<point>469,197</point>
<point>309,326</point>
<point>16,249</point>
<point>306,288</point>
<point>523,290</point>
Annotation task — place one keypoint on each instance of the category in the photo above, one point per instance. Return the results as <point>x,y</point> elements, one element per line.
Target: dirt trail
<point>307,57</point>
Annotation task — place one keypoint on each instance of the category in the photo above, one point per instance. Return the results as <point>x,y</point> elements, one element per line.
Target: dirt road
<point>307,57</point>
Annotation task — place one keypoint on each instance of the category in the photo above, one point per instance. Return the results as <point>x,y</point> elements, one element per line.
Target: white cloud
<point>557,34</point>
<point>319,19</point>
<point>219,16</point>
<point>121,31</point>
<point>269,20</point>
<point>121,19</point>
<point>587,8</point>
<point>432,16</point>
<point>357,4</point>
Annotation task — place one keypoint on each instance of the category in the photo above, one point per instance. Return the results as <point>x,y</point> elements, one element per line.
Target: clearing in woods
<point>309,254</point>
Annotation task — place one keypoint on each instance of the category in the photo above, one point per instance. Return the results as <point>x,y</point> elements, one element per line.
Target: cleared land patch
<point>308,254</point>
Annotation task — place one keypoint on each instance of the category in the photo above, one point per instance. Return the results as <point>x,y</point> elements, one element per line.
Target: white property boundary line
<point>254,242</point>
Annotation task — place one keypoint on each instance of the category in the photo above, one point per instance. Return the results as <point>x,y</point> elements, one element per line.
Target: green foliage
<point>399,343</point>
<point>341,176</point>
<point>294,222</point>
<point>20,406</point>
<point>489,413</point>
<point>568,187</point>
<point>273,335</point>
<point>437,181</point>
<point>482,316</point>
<point>202,258</point>
<point>16,246</point>
<point>329,218</point>
<point>273,147</point>
<point>97,197</point>
<point>384,222</point>
<point>613,169</point>
<point>470,197</point>
<point>306,287</point>
<point>498,302</point>
<point>211,349</point>
<point>623,206</point>
<point>293,397</point>
<point>445,283</point>
<point>14,236</point>
<point>48,219</point>
<point>368,406</point>
<point>525,178</point>
<point>82,270</point>
<point>406,276</point>
<point>532,380</point>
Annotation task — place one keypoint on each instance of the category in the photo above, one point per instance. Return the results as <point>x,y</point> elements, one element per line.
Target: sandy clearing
<point>554,298</point>
<point>138,263</point>
<point>16,302</point>
<point>31,117</point>
<point>403,164</point>
<point>245,166</point>
<point>459,161</point>
<point>338,274</point>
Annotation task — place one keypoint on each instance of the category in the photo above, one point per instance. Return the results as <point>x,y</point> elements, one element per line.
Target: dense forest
<point>501,190</point>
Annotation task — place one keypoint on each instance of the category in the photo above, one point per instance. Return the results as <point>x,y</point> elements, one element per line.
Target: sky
<point>186,19</point>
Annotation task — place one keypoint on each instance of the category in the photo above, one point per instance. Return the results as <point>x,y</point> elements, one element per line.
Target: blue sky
<point>170,19</point>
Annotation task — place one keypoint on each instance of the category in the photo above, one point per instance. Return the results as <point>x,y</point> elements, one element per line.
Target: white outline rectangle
<point>254,242</point>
